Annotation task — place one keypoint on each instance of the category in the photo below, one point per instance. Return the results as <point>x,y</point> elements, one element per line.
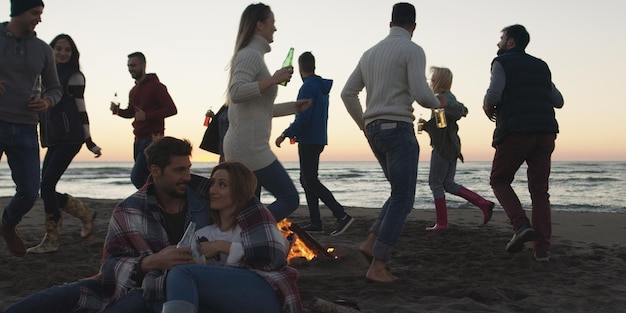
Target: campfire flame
<point>299,249</point>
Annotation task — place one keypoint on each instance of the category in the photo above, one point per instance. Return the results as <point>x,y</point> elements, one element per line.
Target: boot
<point>50,241</point>
<point>86,215</point>
<point>15,245</point>
<point>178,306</point>
<point>485,205</point>
<point>441,210</point>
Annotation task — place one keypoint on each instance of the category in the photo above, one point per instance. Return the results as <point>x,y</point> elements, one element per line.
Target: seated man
<point>140,246</point>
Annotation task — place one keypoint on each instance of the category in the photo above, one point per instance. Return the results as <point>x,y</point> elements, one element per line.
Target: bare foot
<point>378,273</point>
<point>367,246</point>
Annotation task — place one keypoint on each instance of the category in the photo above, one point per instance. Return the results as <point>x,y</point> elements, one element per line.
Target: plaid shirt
<point>265,253</point>
<point>136,230</point>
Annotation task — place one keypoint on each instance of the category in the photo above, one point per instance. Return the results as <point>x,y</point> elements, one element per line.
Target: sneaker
<point>523,234</point>
<point>542,256</point>
<point>313,229</point>
<point>342,225</point>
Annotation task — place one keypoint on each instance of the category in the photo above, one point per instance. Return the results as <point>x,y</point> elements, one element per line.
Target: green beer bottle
<point>288,62</point>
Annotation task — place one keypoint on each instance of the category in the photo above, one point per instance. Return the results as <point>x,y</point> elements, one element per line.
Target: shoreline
<point>463,269</point>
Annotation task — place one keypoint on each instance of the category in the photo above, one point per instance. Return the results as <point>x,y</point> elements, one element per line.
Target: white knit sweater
<point>250,111</point>
<point>393,74</point>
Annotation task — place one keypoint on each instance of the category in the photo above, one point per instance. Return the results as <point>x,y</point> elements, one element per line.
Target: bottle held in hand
<point>36,92</point>
<point>288,62</point>
<point>440,118</point>
<point>115,104</point>
<point>420,124</point>
<point>190,240</point>
<point>207,117</point>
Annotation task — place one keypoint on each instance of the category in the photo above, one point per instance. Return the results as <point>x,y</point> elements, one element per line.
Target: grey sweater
<point>22,59</point>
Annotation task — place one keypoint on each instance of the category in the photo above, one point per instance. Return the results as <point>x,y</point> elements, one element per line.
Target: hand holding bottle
<point>420,124</point>
<point>115,105</point>
<point>283,75</point>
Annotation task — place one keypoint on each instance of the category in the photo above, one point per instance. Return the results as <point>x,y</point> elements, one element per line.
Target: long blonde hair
<point>247,26</point>
<point>441,79</point>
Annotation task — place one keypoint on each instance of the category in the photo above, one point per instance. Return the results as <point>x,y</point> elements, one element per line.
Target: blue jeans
<point>396,148</point>
<point>222,289</point>
<point>63,299</point>
<point>313,188</point>
<point>222,128</point>
<point>275,179</point>
<point>56,161</point>
<point>20,144</point>
<point>441,176</point>
<point>139,174</point>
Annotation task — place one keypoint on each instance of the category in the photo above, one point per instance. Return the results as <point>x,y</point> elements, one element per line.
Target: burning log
<point>309,241</point>
<point>303,246</point>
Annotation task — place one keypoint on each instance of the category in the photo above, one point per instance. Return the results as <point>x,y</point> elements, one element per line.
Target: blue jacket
<point>310,126</point>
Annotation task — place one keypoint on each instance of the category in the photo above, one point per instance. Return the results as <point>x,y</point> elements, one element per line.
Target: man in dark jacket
<point>521,99</point>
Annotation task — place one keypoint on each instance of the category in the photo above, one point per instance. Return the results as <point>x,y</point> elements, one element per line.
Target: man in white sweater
<point>393,74</point>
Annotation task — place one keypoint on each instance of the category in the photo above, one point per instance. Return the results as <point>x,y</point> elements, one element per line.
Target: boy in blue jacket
<point>309,129</point>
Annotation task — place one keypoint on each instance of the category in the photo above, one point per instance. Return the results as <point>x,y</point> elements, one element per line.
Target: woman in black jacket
<point>64,128</point>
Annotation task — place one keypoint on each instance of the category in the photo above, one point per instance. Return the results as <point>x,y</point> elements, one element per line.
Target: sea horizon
<point>585,186</point>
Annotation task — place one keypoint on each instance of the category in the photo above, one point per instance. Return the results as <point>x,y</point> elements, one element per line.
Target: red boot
<point>485,205</point>
<point>441,210</point>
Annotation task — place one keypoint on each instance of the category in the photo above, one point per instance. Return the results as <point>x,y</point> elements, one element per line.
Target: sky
<point>189,43</point>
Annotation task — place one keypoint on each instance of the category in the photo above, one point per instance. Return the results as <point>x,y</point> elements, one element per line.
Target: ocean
<point>574,186</point>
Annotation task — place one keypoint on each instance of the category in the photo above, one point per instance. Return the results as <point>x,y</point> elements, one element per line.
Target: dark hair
<point>139,55</point>
<point>306,61</point>
<point>242,185</point>
<point>75,54</point>
<point>403,14</point>
<point>161,150</point>
<point>519,34</point>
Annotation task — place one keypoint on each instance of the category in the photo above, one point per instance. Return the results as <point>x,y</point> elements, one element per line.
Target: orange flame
<point>298,248</point>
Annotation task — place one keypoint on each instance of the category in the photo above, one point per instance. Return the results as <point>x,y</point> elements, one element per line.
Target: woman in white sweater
<point>252,91</point>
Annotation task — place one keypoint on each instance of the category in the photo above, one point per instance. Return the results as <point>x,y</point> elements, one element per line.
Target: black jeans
<point>313,188</point>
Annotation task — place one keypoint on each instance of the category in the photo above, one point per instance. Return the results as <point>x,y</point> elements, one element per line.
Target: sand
<point>464,269</point>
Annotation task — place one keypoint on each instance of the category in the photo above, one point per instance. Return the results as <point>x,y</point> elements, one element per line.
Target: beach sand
<point>464,269</point>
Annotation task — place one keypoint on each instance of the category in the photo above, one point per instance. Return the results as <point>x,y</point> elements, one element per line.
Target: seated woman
<point>245,251</point>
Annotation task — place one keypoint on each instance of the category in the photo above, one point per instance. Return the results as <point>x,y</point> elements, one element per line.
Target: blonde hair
<point>440,79</point>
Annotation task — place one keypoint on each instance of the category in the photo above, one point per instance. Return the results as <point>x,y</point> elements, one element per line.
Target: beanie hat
<point>20,6</point>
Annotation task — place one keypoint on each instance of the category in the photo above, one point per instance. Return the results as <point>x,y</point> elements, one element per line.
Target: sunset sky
<point>189,43</point>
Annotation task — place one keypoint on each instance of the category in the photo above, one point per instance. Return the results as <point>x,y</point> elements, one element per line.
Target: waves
<point>574,186</point>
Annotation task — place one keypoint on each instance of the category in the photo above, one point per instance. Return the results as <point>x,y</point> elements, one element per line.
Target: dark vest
<point>525,106</point>
<point>62,123</point>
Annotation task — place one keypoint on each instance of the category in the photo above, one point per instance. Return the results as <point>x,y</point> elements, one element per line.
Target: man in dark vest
<point>521,99</point>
